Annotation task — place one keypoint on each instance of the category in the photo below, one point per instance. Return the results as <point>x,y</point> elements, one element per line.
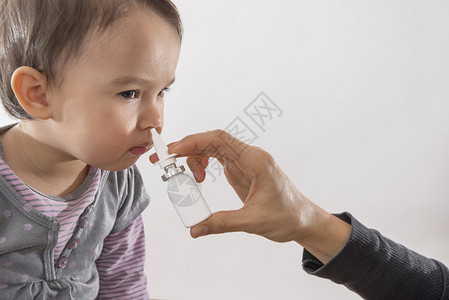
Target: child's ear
<point>29,86</point>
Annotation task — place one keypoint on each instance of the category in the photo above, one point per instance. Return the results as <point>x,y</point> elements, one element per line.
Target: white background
<point>364,89</point>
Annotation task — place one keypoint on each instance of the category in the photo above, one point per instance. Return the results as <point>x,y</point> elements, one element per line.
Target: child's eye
<point>162,93</point>
<point>131,94</point>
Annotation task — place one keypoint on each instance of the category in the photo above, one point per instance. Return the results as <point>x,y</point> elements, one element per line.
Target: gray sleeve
<point>134,199</point>
<point>375,267</point>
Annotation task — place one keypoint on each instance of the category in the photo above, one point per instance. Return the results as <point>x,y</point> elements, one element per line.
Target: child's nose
<point>151,115</point>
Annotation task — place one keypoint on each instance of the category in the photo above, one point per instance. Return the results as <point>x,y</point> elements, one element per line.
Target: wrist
<point>325,235</point>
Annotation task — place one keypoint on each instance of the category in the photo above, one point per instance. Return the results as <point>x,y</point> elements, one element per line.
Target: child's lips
<point>141,149</point>
<point>138,150</point>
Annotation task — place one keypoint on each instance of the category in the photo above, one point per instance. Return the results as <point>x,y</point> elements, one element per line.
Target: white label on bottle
<point>183,191</point>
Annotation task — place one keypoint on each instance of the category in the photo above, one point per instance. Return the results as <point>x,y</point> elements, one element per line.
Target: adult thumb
<point>220,222</point>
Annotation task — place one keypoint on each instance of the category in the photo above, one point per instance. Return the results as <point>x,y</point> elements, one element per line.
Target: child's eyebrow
<point>135,80</point>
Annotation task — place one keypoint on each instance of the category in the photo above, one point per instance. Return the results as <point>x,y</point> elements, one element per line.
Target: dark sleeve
<point>375,267</point>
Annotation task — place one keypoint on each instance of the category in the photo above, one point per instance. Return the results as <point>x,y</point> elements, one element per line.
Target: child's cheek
<point>117,120</point>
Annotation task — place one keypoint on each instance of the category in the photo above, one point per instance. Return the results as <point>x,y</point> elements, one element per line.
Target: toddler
<point>86,79</point>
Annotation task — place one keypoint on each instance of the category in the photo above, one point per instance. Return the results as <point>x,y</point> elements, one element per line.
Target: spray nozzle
<point>165,159</point>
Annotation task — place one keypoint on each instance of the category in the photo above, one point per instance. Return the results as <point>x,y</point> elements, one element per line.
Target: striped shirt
<point>121,262</point>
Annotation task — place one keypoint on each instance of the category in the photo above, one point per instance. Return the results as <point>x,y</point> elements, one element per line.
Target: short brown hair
<point>39,33</point>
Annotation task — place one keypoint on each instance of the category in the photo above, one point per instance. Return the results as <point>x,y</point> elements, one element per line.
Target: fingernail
<point>172,148</point>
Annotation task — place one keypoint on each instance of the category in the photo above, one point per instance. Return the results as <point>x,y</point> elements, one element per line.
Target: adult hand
<point>273,206</point>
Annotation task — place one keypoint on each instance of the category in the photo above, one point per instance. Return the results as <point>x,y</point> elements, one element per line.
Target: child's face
<point>113,95</point>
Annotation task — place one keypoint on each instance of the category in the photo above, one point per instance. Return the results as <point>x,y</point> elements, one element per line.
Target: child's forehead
<point>130,29</point>
<point>140,44</point>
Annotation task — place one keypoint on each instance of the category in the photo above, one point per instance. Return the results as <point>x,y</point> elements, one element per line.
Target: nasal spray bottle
<point>182,189</point>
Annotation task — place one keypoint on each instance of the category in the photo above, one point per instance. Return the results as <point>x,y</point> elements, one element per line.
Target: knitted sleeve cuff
<point>375,267</point>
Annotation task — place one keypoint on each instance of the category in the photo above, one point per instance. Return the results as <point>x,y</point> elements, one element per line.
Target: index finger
<point>217,143</point>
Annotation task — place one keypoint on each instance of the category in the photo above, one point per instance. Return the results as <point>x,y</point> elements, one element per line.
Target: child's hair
<point>43,34</point>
